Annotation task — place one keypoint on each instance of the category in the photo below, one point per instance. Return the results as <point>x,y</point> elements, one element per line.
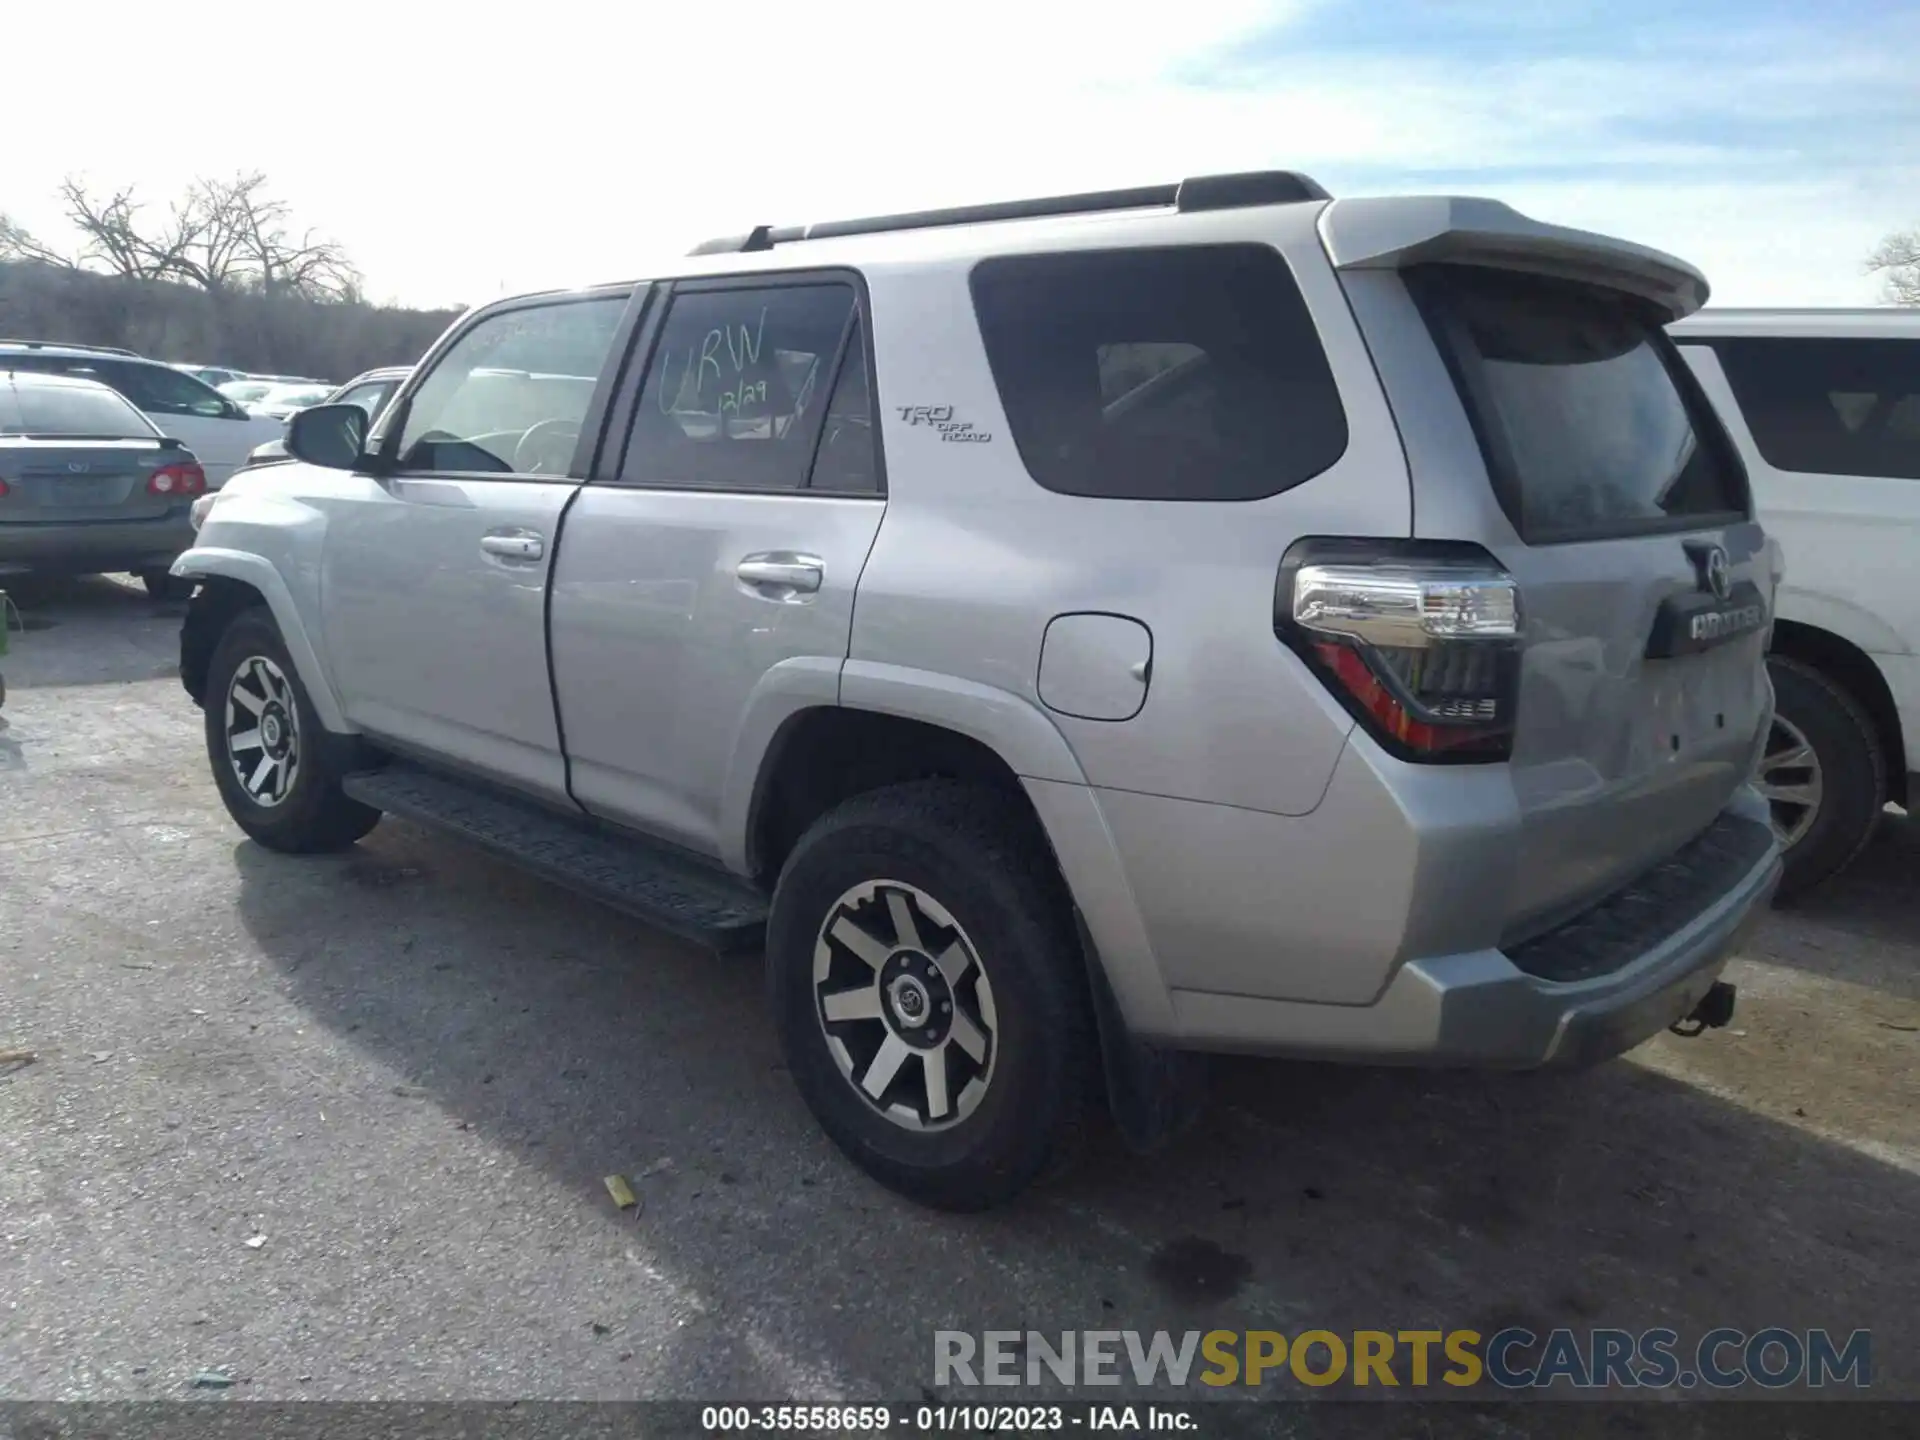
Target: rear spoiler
<point>1393,233</point>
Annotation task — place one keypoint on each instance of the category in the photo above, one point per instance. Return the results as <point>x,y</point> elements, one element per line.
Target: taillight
<point>181,480</point>
<point>3,489</point>
<point>1419,640</point>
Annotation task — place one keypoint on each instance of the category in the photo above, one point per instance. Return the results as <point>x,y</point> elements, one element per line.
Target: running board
<point>669,891</point>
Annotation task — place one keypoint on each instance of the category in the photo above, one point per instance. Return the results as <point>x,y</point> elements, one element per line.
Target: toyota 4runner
<point>1067,636</point>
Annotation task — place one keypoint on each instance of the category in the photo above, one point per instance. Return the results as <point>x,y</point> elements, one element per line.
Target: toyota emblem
<point>1716,574</point>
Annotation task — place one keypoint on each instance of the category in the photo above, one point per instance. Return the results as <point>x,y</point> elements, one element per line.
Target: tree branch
<point>1897,261</point>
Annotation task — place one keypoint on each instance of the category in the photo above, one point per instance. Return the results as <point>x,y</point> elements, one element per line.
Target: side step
<point>669,891</point>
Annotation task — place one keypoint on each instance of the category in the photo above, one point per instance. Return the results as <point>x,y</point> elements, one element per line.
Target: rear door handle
<point>781,570</point>
<point>519,545</point>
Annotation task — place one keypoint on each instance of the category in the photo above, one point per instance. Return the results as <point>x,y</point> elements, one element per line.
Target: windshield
<point>55,409</point>
<point>1586,415</point>
<point>245,391</point>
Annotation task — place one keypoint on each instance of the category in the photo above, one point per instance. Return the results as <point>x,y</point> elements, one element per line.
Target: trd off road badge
<point>941,419</point>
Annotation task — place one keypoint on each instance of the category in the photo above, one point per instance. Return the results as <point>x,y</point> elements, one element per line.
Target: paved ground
<point>408,1069</point>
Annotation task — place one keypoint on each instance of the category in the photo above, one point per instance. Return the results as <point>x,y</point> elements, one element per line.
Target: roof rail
<point>71,345</point>
<point>1201,192</point>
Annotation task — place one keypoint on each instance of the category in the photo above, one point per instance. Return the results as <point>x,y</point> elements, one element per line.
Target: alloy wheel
<point>905,1005</point>
<point>263,731</point>
<point>1789,779</point>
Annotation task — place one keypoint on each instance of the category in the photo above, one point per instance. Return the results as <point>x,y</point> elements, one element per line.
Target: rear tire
<point>964,956</point>
<point>1826,811</point>
<point>278,770</point>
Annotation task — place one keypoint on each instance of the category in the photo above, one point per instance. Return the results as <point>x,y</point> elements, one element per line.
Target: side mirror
<point>334,436</point>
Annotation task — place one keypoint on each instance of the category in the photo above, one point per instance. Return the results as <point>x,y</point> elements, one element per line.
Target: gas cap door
<point>1095,666</point>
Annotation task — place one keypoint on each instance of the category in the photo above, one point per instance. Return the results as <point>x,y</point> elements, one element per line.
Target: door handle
<point>781,571</point>
<point>513,547</point>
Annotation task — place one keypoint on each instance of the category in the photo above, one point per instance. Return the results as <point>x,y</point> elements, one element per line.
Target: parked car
<point>1314,628</point>
<point>1825,408</point>
<point>244,392</point>
<point>214,375</point>
<point>89,484</point>
<point>370,390</point>
<point>282,400</point>
<point>218,431</point>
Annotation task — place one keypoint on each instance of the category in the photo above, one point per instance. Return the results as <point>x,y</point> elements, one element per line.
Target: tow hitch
<point>1714,1010</point>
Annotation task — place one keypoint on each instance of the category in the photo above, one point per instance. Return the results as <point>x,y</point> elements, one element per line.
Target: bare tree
<point>18,243</point>
<point>222,236</point>
<point>1898,260</point>
<point>242,237</point>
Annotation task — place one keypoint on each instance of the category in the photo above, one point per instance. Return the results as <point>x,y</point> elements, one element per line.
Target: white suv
<point>1824,406</point>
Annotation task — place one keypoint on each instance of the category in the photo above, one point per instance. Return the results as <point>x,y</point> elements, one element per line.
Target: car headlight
<point>198,514</point>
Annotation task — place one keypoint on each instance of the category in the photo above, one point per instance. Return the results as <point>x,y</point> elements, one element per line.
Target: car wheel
<point>930,992</point>
<point>1823,775</point>
<point>162,586</point>
<point>278,770</point>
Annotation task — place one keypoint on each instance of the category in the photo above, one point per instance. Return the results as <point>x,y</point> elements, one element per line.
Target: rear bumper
<point>88,546</point>
<point>1482,1009</point>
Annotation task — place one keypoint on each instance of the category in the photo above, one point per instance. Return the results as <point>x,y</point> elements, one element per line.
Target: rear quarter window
<point>1183,373</point>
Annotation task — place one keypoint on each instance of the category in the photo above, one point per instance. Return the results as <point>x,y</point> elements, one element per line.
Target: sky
<point>464,150</point>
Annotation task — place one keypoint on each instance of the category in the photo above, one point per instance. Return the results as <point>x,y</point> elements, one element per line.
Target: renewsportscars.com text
<point>1513,1359</point>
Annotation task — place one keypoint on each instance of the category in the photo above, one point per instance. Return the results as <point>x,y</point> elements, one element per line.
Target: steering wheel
<point>547,447</point>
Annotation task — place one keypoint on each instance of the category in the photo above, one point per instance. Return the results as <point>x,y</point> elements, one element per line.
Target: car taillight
<point>181,480</point>
<point>1419,640</point>
<point>3,488</point>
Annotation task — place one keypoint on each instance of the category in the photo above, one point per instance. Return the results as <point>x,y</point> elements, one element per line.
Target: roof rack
<point>1201,192</point>
<point>71,345</point>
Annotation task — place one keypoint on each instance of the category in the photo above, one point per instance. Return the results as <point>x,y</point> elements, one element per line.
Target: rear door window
<point>738,387</point>
<point>1829,406</point>
<point>847,460</point>
<point>1591,425</point>
<point>1189,373</point>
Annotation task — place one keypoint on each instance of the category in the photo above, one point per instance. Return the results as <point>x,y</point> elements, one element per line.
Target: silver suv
<point>1068,637</point>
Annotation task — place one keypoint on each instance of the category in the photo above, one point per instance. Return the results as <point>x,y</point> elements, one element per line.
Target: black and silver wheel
<point>262,731</point>
<point>931,994</point>
<point>904,1004</point>
<point>1823,774</point>
<point>278,770</point>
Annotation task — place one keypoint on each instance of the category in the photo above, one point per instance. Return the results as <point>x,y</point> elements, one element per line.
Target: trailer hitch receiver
<point>1714,1010</point>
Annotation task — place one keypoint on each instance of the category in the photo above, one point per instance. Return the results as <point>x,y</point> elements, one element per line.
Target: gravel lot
<point>338,1127</point>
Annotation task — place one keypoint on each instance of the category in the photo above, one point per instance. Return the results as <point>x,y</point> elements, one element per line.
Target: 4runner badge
<point>940,418</point>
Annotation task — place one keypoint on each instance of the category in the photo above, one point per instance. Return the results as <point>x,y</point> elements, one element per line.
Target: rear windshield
<point>1591,424</point>
<point>45,409</point>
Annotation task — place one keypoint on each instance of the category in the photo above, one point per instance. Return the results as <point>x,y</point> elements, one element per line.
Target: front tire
<point>1824,775</point>
<point>931,994</point>
<point>278,770</point>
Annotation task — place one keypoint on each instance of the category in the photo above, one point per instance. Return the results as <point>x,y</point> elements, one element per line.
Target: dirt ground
<point>338,1128</point>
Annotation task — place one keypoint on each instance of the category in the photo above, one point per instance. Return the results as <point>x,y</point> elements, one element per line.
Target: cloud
<point>460,151</point>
